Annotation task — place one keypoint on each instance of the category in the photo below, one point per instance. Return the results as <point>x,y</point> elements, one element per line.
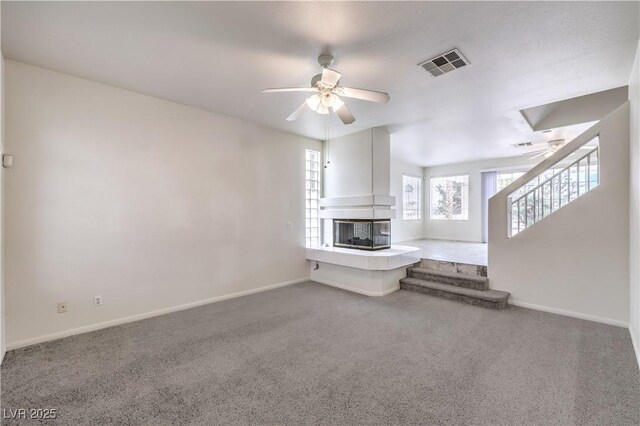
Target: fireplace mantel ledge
<point>379,260</point>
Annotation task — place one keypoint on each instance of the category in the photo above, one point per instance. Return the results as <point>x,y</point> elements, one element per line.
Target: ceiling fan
<point>327,93</point>
<point>552,147</point>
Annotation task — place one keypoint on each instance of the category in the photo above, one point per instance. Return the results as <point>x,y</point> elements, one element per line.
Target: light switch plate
<point>7,161</point>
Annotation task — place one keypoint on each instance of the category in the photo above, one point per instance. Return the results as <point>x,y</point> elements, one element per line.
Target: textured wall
<point>148,203</point>
<point>576,260</point>
<point>634,206</point>
<point>3,324</point>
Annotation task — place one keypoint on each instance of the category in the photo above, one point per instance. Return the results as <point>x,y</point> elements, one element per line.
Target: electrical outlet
<point>289,225</point>
<point>62,307</point>
<point>97,300</point>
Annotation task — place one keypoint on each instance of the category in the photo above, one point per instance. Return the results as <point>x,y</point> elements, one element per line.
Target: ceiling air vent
<point>521,144</point>
<point>444,63</point>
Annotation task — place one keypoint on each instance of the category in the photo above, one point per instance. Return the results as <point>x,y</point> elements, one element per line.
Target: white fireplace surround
<point>359,207</point>
<point>371,273</point>
<point>357,186</point>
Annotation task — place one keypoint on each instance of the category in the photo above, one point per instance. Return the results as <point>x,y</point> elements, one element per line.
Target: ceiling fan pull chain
<point>326,140</point>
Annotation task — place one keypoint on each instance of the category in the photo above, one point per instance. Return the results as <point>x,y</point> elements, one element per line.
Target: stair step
<point>492,299</point>
<point>452,278</point>
<point>459,267</point>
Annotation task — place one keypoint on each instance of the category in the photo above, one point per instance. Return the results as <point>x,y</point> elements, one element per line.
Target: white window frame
<point>312,198</point>
<point>508,171</point>
<point>419,209</point>
<point>464,201</point>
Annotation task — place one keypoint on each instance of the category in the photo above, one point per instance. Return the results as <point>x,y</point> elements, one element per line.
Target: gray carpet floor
<point>312,354</point>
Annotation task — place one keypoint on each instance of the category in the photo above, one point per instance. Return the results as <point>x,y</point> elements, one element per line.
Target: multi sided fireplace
<point>362,233</point>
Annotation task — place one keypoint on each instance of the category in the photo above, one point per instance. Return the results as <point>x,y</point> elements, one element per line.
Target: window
<point>411,199</point>
<point>312,195</point>
<point>533,182</point>
<point>506,178</point>
<point>554,188</point>
<point>450,197</point>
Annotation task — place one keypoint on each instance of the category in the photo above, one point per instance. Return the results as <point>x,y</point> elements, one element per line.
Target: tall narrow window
<point>411,198</point>
<point>450,197</point>
<point>312,191</point>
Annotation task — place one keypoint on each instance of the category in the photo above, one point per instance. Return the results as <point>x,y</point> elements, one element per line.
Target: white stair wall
<point>575,261</point>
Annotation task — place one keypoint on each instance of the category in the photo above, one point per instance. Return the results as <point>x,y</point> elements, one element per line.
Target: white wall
<point>381,166</point>
<point>146,202</point>
<point>359,165</point>
<point>3,346</point>
<point>404,230</point>
<point>634,206</point>
<point>349,170</point>
<point>582,109</point>
<point>465,230</point>
<point>575,261</point>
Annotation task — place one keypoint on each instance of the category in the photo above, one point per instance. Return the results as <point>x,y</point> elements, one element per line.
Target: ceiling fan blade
<point>297,112</point>
<point>539,155</point>
<point>535,152</point>
<point>344,114</point>
<point>289,89</point>
<point>330,77</point>
<point>365,95</point>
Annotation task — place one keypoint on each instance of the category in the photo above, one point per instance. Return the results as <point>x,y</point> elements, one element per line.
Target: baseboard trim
<point>564,312</point>
<point>452,240</point>
<point>407,241</point>
<point>124,320</point>
<point>636,347</point>
<point>356,290</point>
<point>391,290</point>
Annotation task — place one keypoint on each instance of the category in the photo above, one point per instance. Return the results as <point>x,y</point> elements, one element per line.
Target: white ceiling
<point>218,56</point>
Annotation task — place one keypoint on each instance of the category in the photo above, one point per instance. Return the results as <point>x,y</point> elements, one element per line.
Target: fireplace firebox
<point>362,234</point>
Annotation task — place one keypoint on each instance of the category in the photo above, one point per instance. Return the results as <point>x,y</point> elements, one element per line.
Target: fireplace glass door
<point>362,234</point>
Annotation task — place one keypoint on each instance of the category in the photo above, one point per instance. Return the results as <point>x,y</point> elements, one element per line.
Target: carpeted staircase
<point>457,281</point>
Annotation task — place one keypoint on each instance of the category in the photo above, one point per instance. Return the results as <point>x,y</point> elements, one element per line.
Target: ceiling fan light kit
<point>327,94</point>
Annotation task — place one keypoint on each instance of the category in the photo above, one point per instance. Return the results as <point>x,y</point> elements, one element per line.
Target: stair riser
<point>460,268</point>
<point>458,297</point>
<point>459,282</point>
